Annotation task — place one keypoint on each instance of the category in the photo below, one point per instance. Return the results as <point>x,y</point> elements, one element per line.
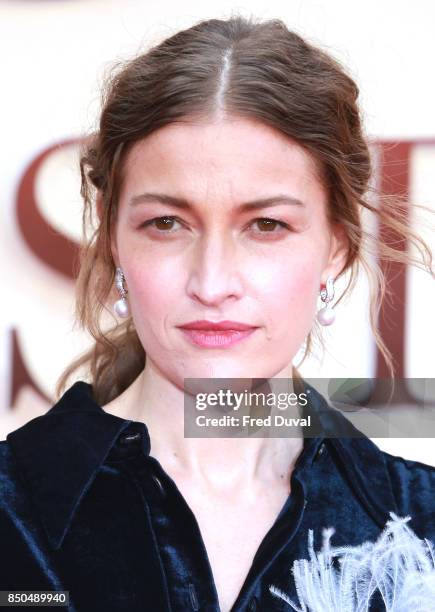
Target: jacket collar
<point>60,453</point>
<point>363,462</point>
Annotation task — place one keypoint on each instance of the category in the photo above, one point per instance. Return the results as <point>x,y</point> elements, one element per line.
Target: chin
<point>228,369</point>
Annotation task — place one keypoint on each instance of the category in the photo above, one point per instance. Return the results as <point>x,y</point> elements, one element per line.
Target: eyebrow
<point>146,198</point>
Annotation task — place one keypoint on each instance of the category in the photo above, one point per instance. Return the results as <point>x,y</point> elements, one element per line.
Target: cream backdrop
<point>53,58</point>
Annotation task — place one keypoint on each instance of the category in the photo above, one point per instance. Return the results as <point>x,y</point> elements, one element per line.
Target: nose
<point>214,274</point>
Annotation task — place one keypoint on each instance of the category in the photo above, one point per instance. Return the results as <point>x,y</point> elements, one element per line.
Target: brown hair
<point>238,67</point>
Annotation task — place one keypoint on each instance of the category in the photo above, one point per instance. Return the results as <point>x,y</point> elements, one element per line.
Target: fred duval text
<point>276,420</point>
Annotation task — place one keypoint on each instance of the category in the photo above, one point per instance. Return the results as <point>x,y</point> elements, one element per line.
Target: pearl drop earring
<point>326,316</point>
<point>121,306</point>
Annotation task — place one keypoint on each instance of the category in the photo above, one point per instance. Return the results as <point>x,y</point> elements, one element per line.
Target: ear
<point>338,252</point>
<point>100,212</point>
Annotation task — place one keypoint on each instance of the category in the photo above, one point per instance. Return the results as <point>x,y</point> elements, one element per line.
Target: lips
<point>204,325</point>
<point>217,334</point>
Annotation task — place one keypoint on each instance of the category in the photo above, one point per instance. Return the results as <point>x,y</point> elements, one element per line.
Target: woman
<point>228,177</point>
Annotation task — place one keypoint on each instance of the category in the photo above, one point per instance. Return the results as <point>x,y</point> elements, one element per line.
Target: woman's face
<point>199,252</point>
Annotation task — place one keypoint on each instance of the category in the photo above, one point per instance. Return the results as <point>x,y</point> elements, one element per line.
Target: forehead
<point>237,158</point>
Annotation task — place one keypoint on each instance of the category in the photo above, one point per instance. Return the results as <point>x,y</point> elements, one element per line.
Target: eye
<point>162,224</point>
<point>268,225</point>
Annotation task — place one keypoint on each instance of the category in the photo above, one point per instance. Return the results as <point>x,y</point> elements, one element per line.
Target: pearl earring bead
<point>121,308</point>
<point>326,316</point>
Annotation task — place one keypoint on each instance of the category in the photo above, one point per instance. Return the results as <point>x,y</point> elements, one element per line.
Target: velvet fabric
<point>85,508</point>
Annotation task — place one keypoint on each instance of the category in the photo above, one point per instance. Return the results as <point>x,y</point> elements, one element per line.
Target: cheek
<point>288,288</point>
<point>153,285</point>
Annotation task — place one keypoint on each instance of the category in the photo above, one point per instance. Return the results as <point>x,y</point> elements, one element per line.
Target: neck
<point>219,463</point>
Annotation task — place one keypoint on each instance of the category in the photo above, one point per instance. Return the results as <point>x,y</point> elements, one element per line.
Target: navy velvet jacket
<point>85,508</point>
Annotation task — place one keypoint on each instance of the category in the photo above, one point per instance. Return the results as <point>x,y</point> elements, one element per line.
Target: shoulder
<point>413,484</point>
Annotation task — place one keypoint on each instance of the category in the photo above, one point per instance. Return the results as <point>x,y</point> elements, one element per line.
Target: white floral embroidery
<point>399,565</point>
